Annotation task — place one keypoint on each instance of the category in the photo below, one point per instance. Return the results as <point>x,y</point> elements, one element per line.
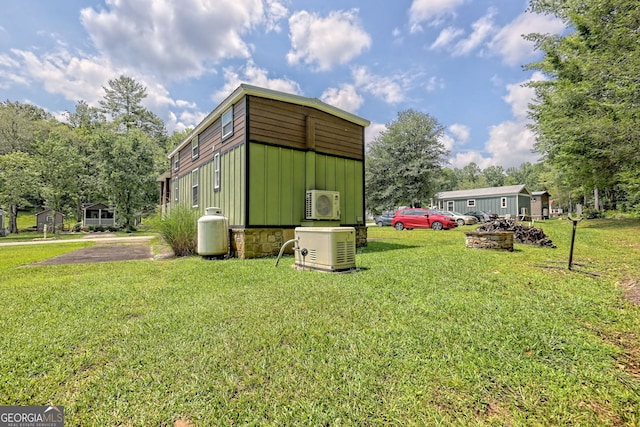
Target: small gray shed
<point>512,201</point>
<point>52,219</point>
<point>540,205</point>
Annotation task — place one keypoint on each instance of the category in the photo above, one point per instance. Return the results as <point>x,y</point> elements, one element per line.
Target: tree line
<point>112,153</point>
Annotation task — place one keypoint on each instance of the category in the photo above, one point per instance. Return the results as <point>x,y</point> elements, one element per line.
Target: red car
<point>421,218</point>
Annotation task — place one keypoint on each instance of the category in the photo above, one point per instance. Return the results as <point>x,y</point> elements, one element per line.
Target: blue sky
<point>457,60</point>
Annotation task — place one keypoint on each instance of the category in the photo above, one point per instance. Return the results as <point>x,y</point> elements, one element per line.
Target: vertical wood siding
<point>230,197</point>
<point>277,185</point>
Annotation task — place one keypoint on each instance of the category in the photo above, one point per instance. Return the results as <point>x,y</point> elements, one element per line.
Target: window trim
<point>195,187</point>
<point>195,148</point>
<point>216,171</point>
<point>225,120</point>
<point>471,203</point>
<point>176,161</point>
<point>503,202</point>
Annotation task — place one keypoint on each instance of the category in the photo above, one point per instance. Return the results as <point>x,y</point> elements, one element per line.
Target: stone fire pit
<point>497,240</point>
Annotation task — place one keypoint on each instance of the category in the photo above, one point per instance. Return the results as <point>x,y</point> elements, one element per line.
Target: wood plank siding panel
<point>210,140</point>
<point>284,124</point>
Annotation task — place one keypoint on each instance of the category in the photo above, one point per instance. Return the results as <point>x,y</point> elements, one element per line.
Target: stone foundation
<point>497,240</point>
<point>249,243</point>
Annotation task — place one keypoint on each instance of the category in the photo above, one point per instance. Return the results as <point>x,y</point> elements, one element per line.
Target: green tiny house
<point>257,154</point>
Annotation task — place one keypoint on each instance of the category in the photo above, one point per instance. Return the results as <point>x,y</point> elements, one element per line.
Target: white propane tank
<point>213,233</point>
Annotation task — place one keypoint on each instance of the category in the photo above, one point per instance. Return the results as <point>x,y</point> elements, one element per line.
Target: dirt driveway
<point>101,253</point>
<point>108,248</point>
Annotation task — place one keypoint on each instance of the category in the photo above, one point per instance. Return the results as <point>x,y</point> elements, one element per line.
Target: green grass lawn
<point>427,333</point>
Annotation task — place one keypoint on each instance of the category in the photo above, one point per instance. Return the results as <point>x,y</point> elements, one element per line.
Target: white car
<point>461,219</point>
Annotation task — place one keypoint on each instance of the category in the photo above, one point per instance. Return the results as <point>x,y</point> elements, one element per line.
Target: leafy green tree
<point>20,125</point>
<point>495,176</point>
<point>85,117</point>
<point>60,166</point>
<point>472,177</point>
<point>123,103</point>
<point>19,182</point>
<point>587,115</point>
<point>404,162</point>
<point>127,172</point>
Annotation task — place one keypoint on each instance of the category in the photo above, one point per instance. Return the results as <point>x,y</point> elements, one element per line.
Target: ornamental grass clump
<point>180,230</point>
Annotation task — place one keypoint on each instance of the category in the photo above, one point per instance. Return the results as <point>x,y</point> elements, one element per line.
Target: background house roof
<point>539,193</point>
<point>245,89</point>
<point>481,192</point>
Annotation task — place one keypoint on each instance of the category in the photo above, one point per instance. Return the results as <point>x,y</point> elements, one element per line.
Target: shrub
<point>180,230</point>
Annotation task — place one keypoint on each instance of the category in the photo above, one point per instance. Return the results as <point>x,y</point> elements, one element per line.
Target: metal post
<point>573,238</point>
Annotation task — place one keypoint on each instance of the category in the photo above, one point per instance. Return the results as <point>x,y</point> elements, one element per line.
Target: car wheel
<point>379,223</point>
<point>399,226</point>
<point>460,221</point>
<point>436,225</point>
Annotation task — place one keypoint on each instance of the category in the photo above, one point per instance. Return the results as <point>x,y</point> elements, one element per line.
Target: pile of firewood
<point>521,233</point>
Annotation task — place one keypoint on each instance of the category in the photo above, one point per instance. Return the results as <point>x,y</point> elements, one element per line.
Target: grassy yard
<point>427,333</point>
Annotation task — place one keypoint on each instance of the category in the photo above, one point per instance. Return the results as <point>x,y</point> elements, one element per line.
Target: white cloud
<point>62,73</point>
<point>251,74</point>
<point>512,47</point>
<point>446,37</point>
<point>461,160</point>
<point>177,39</point>
<point>325,42</point>
<point>346,98</point>
<point>519,97</point>
<point>372,131</point>
<point>388,88</point>
<point>434,83</point>
<point>483,28</point>
<point>510,144</point>
<point>456,134</point>
<point>430,11</point>
<point>461,132</point>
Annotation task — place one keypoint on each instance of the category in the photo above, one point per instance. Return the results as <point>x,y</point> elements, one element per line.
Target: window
<point>450,205</point>
<point>176,192</point>
<point>195,149</point>
<point>471,203</point>
<point>216,171</point>
<point>503,202</point>
<point>194,188</point>
<point>227,123</point>
<point>176,161</point>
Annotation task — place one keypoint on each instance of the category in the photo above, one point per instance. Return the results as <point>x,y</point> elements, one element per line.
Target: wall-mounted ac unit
<point>321,204</point>
<point>325,248</point>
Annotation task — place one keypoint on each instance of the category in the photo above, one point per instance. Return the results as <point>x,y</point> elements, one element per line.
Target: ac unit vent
<point>322,204</point>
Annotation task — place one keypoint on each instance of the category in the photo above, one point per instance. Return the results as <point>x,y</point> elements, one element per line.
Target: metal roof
<point>483,192</point>
<point>245,89</point>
